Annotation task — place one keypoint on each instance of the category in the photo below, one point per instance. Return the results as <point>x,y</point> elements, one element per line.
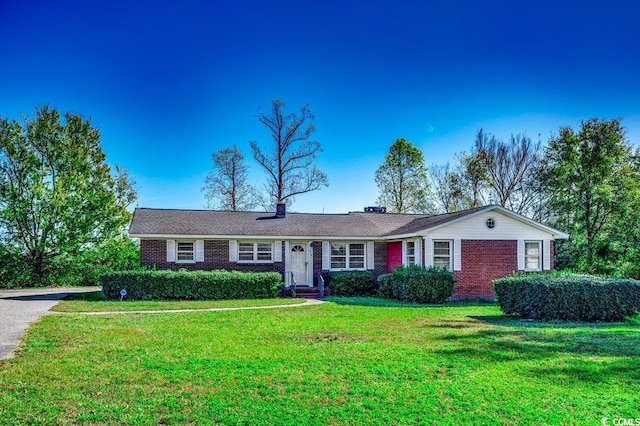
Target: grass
<point>96,302</point>
<point>335,363</point>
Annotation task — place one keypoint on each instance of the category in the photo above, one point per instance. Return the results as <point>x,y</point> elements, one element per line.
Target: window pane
<point>184,251</point>
<point>356,262</point>
<point>264,251</point>
<point>338,262</point>
<point>245,251</point>
<point>411,260</point>
<point>338,249</point>
<point>264,247</point>
<point>532,249</point>
<point>532,263</point>
<point>411,248</point>
<point>441,248</point>
<point>245,256</point>
<point>356,249</point>
<point>441,262</point>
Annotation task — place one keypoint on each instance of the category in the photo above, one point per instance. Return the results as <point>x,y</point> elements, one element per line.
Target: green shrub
<point>568,297</point>
<point>385,285</point>
<point>418,284</point>
<point>351,283</point>
<point>14,269</point>
<point>69,269</point>
<point>192,285</point>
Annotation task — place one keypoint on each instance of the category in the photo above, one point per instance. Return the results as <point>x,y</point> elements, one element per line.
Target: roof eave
<point>255,237</point>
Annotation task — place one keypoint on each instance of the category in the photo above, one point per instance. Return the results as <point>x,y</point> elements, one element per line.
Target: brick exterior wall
<point>482,262</point>
<point>316,246</point>
<point>153,253</point>
<point>379,258</point>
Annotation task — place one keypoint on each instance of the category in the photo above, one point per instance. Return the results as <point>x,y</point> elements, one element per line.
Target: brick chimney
<point>281,210</point>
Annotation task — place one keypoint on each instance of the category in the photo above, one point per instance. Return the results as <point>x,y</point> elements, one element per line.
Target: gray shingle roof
<point>147,222</point>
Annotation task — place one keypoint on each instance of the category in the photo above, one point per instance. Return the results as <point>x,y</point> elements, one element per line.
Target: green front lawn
<point>96,302</point>
<point>335,363</point>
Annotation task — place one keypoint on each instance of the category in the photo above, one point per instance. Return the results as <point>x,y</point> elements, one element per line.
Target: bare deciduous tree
<point>511,168</point>
<point>449,192</point>
<point>226,186</point>
<point>289,161</point>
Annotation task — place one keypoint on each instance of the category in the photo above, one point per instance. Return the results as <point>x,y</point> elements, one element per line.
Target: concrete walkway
<point>307,302</point>
<point>19,308</point>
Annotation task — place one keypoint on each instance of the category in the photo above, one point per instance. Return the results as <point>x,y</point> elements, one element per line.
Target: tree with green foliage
<point>289,160</point>
<point>591,176</point>
<point>58,194</point>
<point>402,179</point>
<point>226,186</point>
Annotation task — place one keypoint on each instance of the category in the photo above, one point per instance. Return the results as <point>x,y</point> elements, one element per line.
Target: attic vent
<point>375,209</point>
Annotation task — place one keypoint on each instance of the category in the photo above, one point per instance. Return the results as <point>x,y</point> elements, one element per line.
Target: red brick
<point>482,262</point>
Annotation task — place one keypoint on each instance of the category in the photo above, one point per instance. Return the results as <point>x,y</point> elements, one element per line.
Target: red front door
<point>394,255</point>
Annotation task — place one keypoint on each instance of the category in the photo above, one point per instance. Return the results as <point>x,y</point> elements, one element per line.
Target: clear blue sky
<point>169,82</point>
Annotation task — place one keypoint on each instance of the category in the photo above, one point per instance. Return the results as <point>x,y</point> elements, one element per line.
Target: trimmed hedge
<point>192,285</point>
<point>351,283</point>
<point>418,284</point>
<point>568,297</point>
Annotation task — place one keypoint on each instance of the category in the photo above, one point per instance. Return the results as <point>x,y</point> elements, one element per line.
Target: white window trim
<point>407,256</point>
<point>539,268</point>
<point>433,252</point>
<point>193,251</point>
<point>255,252</point>
<point>347,256</point>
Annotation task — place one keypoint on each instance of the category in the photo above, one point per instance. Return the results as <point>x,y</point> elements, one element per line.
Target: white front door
<point>299,263</point>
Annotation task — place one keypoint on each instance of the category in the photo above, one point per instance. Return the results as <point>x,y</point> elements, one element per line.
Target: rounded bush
<point>418,284</point>
<point>568,297</point>
<point>351,283</point>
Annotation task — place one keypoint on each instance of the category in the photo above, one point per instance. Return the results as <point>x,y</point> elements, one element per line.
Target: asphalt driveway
<point>19,308</point>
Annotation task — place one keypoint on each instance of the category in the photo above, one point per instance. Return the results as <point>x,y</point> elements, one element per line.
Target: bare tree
<point>473,177</point>
<point>289,161</point>
<point>511,168</point>
<point>449,191</point>
<point>226,186</point>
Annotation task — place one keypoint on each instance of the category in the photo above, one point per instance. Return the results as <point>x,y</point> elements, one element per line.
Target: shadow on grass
<point>382,302</point>
<point>592,353</point>
<point>90,296</point>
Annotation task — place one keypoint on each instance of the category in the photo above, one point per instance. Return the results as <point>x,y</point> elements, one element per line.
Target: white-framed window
<point>185,252</point>
<point>532,255</point>
<point>347,255</point>
<point>410,256</point>
<point>255,252</point>
<point>442,254</point>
